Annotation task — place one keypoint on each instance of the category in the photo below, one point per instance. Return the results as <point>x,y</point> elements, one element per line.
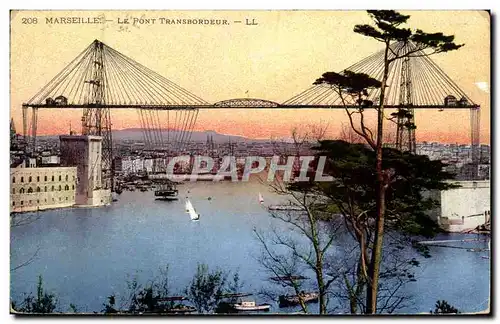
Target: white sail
<point>261,199</point>
<point>191,211</point>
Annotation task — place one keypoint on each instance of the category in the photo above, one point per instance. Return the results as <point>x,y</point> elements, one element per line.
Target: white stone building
<point>85,153</point>
<point>464,208</point>
<point>42,188</point>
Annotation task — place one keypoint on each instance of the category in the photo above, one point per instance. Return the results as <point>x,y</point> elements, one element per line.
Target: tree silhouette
<point>442,307</point>
<point>387,29</point>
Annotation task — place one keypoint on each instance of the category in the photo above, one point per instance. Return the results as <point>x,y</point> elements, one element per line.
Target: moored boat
<point>167,191</point>
<point>288,278</point>
<point>181,309</point>
<point>286,207</point>
<point>294,300</point>
<point>250,306</point>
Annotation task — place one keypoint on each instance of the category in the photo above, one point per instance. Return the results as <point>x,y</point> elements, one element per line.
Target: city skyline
<point>239,62</point>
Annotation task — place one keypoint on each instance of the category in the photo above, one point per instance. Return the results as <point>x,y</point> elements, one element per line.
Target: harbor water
<point>87,254</point>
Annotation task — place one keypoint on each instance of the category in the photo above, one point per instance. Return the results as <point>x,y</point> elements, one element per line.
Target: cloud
<point>483,86</point>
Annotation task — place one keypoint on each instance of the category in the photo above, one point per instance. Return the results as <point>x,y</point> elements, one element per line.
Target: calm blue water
<point>85,255</point>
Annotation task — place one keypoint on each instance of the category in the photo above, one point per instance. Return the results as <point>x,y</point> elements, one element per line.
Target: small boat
<point>167,191</point>
<point>233,295</point>
<point>294,300</point>
<point>250,306</point>
<point>181,309</point>
<point>289,278</point>
<point>261,199</point>
<point>191,211</point>
<point>286,207</point>
<point>172,298</point>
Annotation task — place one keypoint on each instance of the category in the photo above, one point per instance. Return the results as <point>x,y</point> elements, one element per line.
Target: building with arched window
<point>27,195</point>
<point>77,181</point>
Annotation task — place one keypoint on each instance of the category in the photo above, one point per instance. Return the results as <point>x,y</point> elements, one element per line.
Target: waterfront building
<point>35,188</point>
<point>85,153</point>
<point>463,208</point>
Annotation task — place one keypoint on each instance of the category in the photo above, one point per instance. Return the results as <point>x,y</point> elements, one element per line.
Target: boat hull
<point>287,301</point>
<point>257,308</point>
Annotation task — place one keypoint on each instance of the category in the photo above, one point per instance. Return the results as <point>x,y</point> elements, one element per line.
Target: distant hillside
<point>137,134</point>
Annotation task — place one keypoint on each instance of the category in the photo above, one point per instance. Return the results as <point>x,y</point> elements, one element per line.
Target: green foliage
<point>206,288</point>
<point>235,285</point>
<point>43,302</point>
<point>442,307</point>
<point>353,168</point>
<point>73,308</point>
<point>147,300</point>
<point>109,307</point>
<point>150,298</point>
<point>387,29</point>
<point>348,81</point>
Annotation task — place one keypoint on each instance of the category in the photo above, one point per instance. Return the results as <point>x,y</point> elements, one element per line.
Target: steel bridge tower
<point>405,133</point>
<point>96,119</point>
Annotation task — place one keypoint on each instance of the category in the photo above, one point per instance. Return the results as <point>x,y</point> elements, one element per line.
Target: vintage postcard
<point>250,162</point>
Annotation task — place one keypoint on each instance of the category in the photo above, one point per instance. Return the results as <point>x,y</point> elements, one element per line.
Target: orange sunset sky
<point>274,60</point>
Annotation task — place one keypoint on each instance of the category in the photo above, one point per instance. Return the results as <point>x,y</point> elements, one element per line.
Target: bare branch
<point>30,260</point>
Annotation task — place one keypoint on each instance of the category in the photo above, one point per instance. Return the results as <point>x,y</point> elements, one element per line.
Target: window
<point>73,177</point>
<point>29,202</point>
<point>66,177</point>
<point>22,179</point>
<point>22,202</point>
<point>66,198</point>
<point>29,179</point>
<point>37,178</point>
<point>45,199</point>
<point>52,178</point>
<point>45,178</point>
<point>37,189</point>
<point>66,187</point>
<point>13,203</point>
<point>30,190</point>
<point>13,179</point>
<point>45,189</point>
<point>21,190</point>
<point>73,187</point>
<point>52,188</point>
<point>59,177</point>
<point>60,187</point>
<point>13,190</point>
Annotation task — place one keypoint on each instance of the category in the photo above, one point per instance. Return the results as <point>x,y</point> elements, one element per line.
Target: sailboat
<point>261,199</point>
<point>191,211</point>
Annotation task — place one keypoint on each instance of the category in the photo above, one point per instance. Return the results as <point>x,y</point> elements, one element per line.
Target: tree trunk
<point>321,286</point>
<point>371,298</point>
<point>319,262</point>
